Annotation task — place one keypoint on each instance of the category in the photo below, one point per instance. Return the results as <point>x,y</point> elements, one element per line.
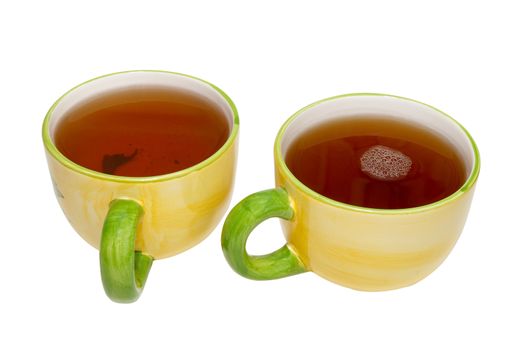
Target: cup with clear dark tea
<point>143,164</point>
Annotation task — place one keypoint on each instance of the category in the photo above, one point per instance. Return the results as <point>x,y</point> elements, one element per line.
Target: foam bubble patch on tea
<point>385,163</point>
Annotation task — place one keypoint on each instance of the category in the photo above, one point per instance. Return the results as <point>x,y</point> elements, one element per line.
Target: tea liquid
<point>142,132</point>
<point>376,162</point>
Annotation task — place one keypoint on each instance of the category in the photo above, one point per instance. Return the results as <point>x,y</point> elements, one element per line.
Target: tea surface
<point>375,162</point>
<point>142,132</point>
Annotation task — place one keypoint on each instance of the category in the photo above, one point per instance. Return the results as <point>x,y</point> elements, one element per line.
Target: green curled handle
<point>242,220</point>
<point>124,271</point>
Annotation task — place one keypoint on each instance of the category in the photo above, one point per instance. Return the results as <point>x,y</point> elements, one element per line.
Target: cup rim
<point>53,150</point>
<point>466,186</point>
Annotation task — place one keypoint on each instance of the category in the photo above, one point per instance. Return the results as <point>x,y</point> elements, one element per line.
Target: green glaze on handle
<point>242,220</point>
<point>123,271</point>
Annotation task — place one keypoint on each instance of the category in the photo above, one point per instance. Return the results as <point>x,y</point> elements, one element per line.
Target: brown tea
<point>376,162</point>
<point>142,132</point>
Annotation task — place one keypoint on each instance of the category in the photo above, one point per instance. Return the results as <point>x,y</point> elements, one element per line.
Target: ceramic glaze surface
<point>368,251</point>
<point>178,213</point>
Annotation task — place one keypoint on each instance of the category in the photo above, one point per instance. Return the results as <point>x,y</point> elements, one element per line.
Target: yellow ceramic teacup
<point>142,218</point>
<point>361,248</point>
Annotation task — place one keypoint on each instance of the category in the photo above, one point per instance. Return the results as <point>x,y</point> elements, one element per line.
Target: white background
<point>272,58</point>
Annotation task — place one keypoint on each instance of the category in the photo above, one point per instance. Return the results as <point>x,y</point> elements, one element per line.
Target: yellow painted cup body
<point>179,209</point>
<point>369,250</point>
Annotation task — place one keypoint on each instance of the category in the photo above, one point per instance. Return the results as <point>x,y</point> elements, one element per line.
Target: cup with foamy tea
<point>143,165</point>
<point>373,191</point>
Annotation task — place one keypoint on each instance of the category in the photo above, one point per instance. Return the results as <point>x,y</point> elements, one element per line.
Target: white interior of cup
<point>400,109</point>
<point>133,80</point>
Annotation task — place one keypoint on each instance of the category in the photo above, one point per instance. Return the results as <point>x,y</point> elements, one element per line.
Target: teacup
<point>134,220</point>
<point>357,247</point>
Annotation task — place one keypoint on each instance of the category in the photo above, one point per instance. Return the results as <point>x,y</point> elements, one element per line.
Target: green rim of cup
<point>468,184</point>
<point>51,148</point>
